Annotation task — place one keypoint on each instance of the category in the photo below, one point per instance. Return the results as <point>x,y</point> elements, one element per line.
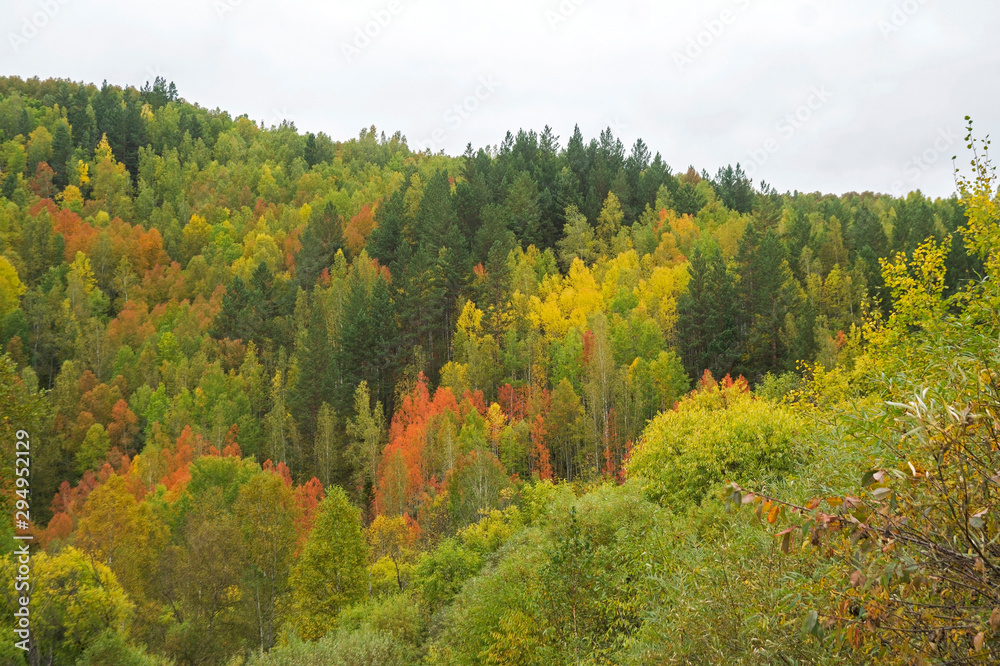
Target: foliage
<point>917,545</point>
<point>481,362</point>
<point>355,648</point>
<point>74,601</point>
<point>716,434</point>
<point>331,571</point>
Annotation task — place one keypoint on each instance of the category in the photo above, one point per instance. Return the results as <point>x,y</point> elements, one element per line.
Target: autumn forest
<point>301,400</point>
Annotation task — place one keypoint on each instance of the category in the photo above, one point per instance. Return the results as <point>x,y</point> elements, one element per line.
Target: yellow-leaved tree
<point>11,288</point>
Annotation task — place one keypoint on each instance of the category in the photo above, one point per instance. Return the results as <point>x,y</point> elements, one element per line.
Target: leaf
<point>881,493</point>
<point>979,640</point>
<point>810,623</point>
<point>834,502</point>
<point>786,539</point>
<point>813,504</point>
<point>772,515</point>
<point>995,619</point>
<point>857,579</point>
<point>872,477</point>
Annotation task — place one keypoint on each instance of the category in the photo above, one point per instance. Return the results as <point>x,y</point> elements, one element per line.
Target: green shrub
<point>365,647</point>
<point>567,591</point>
<point>399,615</point>
<point>716,434</point>
<point>112,648</point>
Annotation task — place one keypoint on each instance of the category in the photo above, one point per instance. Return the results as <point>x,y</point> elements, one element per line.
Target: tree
<point>609,222</point>
<point>525,215</point>
<point>474,487</point>
<point>94,449</point>
<point>112,184</point>
<point>322,239</point>
<point>367,334</point>
<point>565,432</point>
<point>540,456</point>
<point>578,241</point>
<point>391,538</point>
<point>688,200</point>
<point>62,152</point>
<point>768,295</point>
<point>74,600</point>
<point>266,512</point>
<point>735,189</point>
<point>206,583</point>
<point>707,322</point>
<point>366,431</point>
<point>331,571</point>
<point>316,381</point>
<point>11,288</point>
<point>325,448</point>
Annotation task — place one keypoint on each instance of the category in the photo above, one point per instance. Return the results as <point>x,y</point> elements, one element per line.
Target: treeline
<point>427,332</point>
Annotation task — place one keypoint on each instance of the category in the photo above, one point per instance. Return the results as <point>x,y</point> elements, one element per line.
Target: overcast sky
<point>840,96</point>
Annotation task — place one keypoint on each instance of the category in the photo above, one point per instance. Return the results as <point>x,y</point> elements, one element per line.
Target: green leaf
<point>868,479</point>
<point>810,623</point>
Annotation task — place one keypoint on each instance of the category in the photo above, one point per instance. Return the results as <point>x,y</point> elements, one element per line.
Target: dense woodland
<point>302,401</point>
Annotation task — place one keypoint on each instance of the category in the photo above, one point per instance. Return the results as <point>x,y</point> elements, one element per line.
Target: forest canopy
<point>301,400</point>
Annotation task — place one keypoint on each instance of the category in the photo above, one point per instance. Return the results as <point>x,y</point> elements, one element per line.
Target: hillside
<point>294,400</point>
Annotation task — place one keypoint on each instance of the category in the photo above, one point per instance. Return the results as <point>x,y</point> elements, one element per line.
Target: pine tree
<point>386,239</point>
<point>368,335</point>
<point>707,316</point>
<point>234,320</point>
<point>315,382</point>
<point>767,295</point>
<point>735,189</point>
<point>320,242</point>
<point>524,213</point>
<point>62,152</point>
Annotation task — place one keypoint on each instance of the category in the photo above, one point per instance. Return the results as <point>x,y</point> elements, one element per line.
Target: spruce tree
<point>707,316</point>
